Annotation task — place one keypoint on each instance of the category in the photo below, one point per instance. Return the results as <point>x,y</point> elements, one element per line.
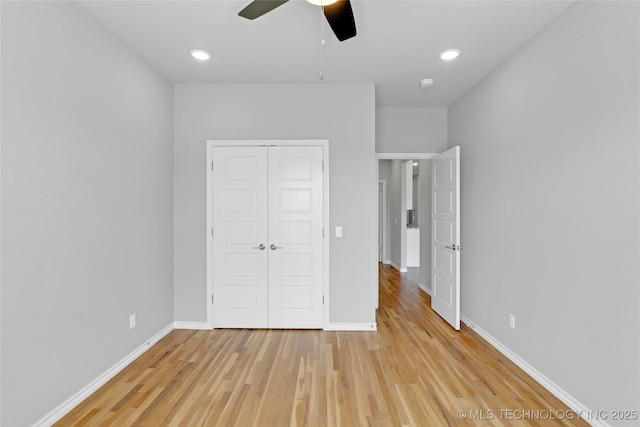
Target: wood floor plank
<point>414,371</point>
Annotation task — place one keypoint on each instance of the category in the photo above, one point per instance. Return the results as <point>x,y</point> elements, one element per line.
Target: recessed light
<point>425,83</point>
<point>200,55</point>
<point>449,54</point>
<point>415,163</point>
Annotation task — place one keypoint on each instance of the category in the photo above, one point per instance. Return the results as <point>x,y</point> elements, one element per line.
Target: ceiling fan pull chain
<point>322,43</point>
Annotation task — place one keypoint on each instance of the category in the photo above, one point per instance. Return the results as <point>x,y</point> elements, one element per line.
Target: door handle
<point>454,247</point>
<point>274,247</point>
<point>261,247</point>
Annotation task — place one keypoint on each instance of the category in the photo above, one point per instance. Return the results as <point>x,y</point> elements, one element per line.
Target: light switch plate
<point>338,231</point>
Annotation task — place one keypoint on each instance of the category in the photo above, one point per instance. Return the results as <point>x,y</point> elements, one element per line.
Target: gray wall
<point>415,188</point>
<point>343,114</point>
<point>424,184</point>
<point>550,208</point>
<point>394,199</point>
<point>86,204</point>
<point>384,173</point>
<point>411,130</point>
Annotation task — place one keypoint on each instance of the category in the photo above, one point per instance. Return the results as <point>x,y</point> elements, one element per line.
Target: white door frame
<point>403,224</point>
<point>325,214</point>
<point>382,237</point>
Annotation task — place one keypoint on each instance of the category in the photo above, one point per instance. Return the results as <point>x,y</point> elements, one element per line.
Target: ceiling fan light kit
<point>322,2</point>
<point>339,14</point>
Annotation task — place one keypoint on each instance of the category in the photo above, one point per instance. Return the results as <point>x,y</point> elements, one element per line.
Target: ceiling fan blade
<point>257,8</point>
<point>340,18</point>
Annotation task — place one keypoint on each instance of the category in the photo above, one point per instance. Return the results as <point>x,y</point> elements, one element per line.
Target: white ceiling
<point>396,46</point>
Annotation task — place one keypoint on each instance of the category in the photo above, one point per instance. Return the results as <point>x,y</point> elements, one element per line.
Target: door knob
<point>274,247</point>
<point>261,247</point>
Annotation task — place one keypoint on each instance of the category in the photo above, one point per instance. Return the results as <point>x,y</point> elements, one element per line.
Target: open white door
<point>445,250</point>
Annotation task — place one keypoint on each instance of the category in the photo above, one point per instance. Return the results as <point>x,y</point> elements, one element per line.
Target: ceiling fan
<point>338,13</point>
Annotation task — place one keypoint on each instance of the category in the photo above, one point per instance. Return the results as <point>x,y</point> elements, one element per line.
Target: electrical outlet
<point>132,321</point>
<point>512,321</point>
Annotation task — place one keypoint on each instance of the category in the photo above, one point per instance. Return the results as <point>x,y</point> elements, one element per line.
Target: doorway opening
<point>404,219</point>
<point>423,226</point>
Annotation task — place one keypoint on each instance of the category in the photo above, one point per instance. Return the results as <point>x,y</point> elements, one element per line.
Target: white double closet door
<point>268,243</point>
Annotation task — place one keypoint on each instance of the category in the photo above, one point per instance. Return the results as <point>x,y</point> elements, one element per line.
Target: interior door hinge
<point>322,299</point>
<point>323,232</point>
<point>211,298</point>
<point>323,165</point>
<point>211,165</point>
<point>212,232</point>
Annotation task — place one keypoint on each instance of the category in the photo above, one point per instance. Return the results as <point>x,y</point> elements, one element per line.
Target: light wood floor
<point>415,371</point>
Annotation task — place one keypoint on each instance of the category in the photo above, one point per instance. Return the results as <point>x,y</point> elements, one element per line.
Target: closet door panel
<point>240,227</point>
<point>295,237</point>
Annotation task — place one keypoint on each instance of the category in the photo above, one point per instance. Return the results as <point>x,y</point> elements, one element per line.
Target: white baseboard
<point>191,325</point>
<point>351,327</point>
<point>401,270</point>
<point>386,261</point>
<point>424,288</point>
<point>556,390</point>
<point>94,385</point>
